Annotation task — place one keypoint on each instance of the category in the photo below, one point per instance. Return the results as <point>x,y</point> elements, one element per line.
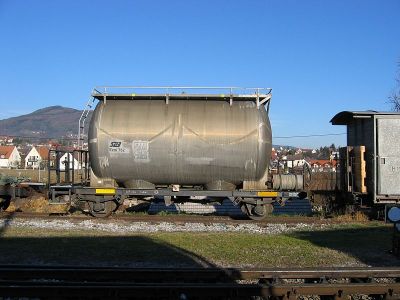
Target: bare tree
<point>394,98</point>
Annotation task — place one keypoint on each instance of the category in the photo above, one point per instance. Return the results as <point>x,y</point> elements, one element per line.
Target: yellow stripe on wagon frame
<point>105,191</point>
<point>267,194</point>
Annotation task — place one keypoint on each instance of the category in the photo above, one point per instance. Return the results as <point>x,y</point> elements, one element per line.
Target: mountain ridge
<point>52,121</point>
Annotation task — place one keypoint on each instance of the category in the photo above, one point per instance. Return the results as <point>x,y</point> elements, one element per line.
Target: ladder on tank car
<point>82,122</point>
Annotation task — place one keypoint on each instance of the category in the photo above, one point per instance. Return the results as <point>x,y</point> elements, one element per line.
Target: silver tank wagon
<point>213,140</point>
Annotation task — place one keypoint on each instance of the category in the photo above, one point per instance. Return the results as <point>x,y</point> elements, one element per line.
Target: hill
<point>52,121</point>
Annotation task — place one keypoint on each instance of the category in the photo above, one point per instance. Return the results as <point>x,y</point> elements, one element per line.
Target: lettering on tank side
<point>140,151</point>
<point>395,169</point>
<point>118,147</point>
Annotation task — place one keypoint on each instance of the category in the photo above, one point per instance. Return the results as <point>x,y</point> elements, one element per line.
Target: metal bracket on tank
<point>263,101</point>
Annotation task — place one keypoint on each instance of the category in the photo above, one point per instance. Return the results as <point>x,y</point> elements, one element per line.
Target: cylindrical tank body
<point>185,142</point>
<point>285,182</point>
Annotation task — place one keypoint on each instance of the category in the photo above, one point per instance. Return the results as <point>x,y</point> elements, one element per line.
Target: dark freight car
<point>370,164</point>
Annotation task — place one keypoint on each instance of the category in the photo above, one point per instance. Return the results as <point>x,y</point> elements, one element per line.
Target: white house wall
<point>31,154</point>
<point>15,158</point>
<point>13,161</point>
<point>3,163</point>
<point>62,160</point>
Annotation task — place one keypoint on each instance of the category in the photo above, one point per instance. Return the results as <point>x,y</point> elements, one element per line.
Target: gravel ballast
<point>124,227</point>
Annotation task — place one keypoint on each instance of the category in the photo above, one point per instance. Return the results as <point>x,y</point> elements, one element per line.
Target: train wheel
<point>102,209</point>
<point>254,212</point>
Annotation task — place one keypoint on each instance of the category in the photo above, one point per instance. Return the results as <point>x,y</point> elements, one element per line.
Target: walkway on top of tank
<point>259,95</point>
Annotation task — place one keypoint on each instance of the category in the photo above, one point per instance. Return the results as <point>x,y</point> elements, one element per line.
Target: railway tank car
<point>179,144</point>
<point>147,143</point>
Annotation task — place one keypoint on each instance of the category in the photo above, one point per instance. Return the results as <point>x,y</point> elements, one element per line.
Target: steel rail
<point>155,290</point>
<point>39,281</point>
<point>23,271</point>
<point>230,291</point>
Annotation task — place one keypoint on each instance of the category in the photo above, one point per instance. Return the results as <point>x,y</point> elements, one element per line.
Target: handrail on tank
<point>230,89</point>
<point>261,95</point>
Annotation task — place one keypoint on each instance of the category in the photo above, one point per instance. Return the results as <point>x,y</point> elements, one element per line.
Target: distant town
<point>19,153</point>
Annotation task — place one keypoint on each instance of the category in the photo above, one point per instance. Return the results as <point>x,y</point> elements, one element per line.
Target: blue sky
<point>320,57</point>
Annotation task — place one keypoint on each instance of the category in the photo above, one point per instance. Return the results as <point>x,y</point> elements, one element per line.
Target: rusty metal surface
<point>185,142</point>
<point>322,181</point>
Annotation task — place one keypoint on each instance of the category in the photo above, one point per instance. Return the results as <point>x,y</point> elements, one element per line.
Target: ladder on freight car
<point>82,121</point>
<point>65,174</point>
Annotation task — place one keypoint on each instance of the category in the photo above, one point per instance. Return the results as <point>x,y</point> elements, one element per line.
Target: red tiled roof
<point>6,151</point>
<point>322,162</point>
<point>43,152</point>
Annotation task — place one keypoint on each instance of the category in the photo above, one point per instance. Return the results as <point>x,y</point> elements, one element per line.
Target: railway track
<point>207,283</point>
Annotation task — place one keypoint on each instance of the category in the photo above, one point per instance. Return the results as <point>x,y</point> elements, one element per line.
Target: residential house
<point>73,162</point>
<point>23,152</point>
<point>274,154</point>
<point>294,161</point>
<point>36,157</point>
<point>334,155</point>
<point>323,165</point>
<point>9,157</point>
<point>6,140</point>
<point>298,151</point>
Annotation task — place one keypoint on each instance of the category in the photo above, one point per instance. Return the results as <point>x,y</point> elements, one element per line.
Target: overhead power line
<point>305,136</point>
